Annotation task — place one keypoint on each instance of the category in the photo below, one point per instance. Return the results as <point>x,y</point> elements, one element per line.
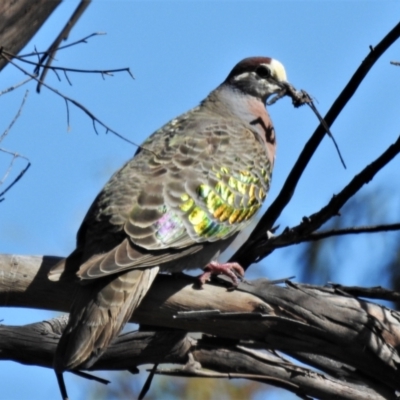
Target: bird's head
<point>258,76</point>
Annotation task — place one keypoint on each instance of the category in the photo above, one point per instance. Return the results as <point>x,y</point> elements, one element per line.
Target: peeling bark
<point>355,343</point>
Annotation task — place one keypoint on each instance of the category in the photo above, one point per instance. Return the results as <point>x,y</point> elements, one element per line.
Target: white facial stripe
<point>241,76</point>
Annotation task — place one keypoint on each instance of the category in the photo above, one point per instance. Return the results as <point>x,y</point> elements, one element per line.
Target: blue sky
<point>178,52</point>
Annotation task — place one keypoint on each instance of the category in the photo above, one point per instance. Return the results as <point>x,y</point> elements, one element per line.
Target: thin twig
<point>5,133</point>
<point>66,77</point>
<point>49,55</point>
<point>362,178</point>
<point>11,88</point>
<point>290,235</point>
<point>13,154</point>
<point>66,46</point>
<point>20,175</point>
<point>301,97</point>
<point>376,292</point>
<point>76,103</point>
<point>108,72</point>
<point>67,107</point>
<point>8,170</point>
<point>352,231</point>
<point>148,382</point>
<point>90,377</point>
<point>328,131</point>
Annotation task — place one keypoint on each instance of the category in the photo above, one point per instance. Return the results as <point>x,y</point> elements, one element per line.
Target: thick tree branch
<point>206,357</point>
<point>20,20</point>
<point>337,333</point>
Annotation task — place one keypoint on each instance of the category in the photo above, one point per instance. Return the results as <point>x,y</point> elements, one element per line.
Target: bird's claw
<point>233,270</point>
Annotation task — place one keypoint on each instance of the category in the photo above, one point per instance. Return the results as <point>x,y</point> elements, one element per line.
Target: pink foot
<point>231,269</point>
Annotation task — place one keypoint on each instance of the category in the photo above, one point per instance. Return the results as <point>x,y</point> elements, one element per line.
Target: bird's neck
<point>229,102</point>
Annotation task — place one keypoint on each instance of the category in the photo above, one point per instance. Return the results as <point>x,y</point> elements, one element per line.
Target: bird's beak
<point>285,89</point>
<point>283,84</point>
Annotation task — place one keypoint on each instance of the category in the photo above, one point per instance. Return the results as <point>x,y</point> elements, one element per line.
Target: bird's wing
<point>179,193</point>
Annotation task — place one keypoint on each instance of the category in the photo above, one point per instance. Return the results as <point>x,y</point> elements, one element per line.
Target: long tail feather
<point>99,312</point>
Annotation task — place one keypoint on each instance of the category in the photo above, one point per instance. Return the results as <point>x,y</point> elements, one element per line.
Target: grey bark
<point>20,20</point>
<point>353,342</point>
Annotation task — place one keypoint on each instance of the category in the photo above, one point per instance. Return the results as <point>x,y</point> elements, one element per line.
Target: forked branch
<point>260,233</point>
<point>348,339</point>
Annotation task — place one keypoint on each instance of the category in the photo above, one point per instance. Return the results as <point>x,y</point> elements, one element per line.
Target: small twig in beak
<point>299,98</point>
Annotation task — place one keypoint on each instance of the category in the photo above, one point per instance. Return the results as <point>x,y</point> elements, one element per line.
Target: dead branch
<point>13,154</point>
<point>206,357</point>
<point>48,56</point>
<point>305,230</point>
<point>376,292</point>
<point>17,115</point>
<point>243,255</point>
<point>351,340</point>
<point>72,101</point>
<point>16,86</point>
<point>108,72</point>
<point>352,231</point>
<point>355,343</point>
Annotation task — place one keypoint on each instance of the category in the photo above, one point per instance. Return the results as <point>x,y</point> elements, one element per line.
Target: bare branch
<point>11,88</point>
<point>302,232</point>
<point>108,72</point>
<point>376,292</point>
<point>243,256</point>
<point>5,133</point>
<point>350,339</point>
<point>66,46</point>
<point>328,131</point>
<point>74,102</point>
<point>299,98</point>
<point>18,177</point>
<point>207,358</point>
<point>352,231</point>
<point>49,55</point>
<point>14,154</point>
<point>354,343</point>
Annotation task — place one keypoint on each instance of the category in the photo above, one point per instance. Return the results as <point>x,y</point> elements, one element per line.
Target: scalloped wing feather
<point>178,192</point>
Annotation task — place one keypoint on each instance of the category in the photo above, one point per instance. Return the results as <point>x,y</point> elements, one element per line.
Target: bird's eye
<point>263,71</point>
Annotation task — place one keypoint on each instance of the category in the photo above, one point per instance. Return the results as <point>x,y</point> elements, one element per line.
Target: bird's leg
<point>232,270</point>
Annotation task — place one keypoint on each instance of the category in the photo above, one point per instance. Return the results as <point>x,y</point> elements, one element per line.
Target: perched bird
<point>192,186</point>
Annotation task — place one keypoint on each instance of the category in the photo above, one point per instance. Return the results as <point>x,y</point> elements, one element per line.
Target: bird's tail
<point>99,312</point>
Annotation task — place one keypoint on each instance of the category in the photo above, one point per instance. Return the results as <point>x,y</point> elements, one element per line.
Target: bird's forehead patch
<point>277,70</point>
